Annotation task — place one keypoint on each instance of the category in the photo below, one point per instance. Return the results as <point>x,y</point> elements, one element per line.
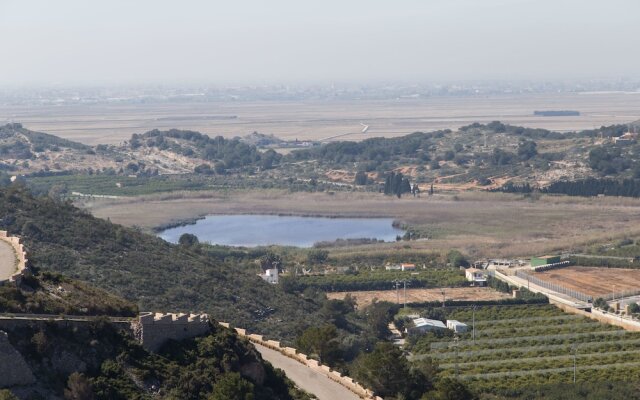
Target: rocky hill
<point>26,152</point>
<point>477,156</point>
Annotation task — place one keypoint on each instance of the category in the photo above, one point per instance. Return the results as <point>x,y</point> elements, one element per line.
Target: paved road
<point>7,260</point>
<point>306,378</point>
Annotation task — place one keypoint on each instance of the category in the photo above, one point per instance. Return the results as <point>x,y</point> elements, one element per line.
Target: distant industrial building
<point>557,113</point>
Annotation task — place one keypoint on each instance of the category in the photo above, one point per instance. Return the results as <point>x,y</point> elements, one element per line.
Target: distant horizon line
<point>169,84</point>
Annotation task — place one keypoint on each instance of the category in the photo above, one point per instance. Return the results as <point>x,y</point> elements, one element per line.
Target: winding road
<point>7,260</point>
<point>305,378</point>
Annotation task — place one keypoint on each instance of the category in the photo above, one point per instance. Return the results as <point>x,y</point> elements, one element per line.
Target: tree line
<point>585,187</point>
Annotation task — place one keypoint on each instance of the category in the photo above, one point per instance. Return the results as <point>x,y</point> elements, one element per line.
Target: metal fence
<point>555,287</point>
<point>618,295</point>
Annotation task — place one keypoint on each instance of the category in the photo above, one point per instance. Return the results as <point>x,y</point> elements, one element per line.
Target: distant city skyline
<point>72,42</point>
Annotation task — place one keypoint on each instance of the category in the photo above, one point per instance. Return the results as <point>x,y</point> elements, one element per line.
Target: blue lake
<point>263,230</point>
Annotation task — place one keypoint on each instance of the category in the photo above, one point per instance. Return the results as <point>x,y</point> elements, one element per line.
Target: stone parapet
<point>292,353</point>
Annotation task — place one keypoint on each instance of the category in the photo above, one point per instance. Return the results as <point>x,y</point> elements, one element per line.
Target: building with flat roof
<point>423,325</point>
<point>544,260</point>
<point>476,276</point>
<point>408,267</point>
<point>457,326</point>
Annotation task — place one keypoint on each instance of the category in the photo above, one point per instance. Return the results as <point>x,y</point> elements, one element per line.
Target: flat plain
<point>480,224</point>
<point>112,123</point>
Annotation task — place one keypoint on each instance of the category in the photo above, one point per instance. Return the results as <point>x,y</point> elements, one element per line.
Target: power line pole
<point>473,329</point>
<point>575,363</point>
<point>396,282</point>
<point>456,346</point>
<point>405,293</point>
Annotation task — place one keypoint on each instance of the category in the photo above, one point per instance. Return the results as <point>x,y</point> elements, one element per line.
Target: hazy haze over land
<point>80,42</point>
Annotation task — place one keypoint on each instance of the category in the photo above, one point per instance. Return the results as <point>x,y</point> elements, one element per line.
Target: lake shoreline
<point>193,220</point>
<point>282,229</point>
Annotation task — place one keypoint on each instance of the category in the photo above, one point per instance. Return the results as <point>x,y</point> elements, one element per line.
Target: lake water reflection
<point>262,230</point>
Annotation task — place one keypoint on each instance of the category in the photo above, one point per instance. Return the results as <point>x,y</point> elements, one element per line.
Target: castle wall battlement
<point>154,329</point>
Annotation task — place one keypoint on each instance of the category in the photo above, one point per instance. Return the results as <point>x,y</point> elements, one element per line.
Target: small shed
<point>270,275</point>
<point>457,326</point>
<point>408,267</point>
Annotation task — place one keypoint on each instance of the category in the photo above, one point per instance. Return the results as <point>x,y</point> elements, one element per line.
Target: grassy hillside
<point>51,293</point>
<point>147,270</point>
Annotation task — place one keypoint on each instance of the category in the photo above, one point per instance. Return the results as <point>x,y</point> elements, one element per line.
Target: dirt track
<point>594,281</point>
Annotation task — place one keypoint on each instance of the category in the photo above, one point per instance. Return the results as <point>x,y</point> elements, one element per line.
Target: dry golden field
<point>594,281</point>
<point>328,120</point>
<point>480,224</point>
<point>423,295</point>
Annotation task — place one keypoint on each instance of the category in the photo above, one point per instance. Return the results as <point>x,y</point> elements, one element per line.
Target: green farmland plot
<point>538,348</point>
<point>381,280</point>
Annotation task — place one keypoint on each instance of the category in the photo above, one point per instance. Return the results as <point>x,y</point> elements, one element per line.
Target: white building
<point>423,325</point>
<point>270,275</point>
<point>476,276</point>
<point>457,326</point>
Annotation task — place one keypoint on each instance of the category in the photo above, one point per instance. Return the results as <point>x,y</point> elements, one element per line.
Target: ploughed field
<point>593,281</point>
<point>525,345</point>
<point>364,298</point>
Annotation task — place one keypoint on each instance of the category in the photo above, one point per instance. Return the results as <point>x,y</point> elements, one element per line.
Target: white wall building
<point>270,275</point>
<point>457,326</point>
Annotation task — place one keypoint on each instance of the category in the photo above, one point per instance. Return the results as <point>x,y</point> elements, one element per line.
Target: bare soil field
<point>480,224</point>
<point>594,281</point>
<point>423,295</point>
<point>322,120</point>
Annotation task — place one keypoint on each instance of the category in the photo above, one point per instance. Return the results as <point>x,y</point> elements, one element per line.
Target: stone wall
<point>14,370</point>
<point>154,329</point>
<point>21,255</point>
<point>290,352</point>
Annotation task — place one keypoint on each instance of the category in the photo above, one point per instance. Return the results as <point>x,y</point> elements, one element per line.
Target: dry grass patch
<point>593,281</point>
<point>423,295</point>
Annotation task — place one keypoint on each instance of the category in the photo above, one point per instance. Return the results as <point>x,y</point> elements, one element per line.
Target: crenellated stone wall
<point>21,255</point>
<point>154,329</point>
<point>292,353</point>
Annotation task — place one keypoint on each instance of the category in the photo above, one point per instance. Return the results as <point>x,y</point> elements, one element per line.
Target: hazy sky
<point>304,41</point>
